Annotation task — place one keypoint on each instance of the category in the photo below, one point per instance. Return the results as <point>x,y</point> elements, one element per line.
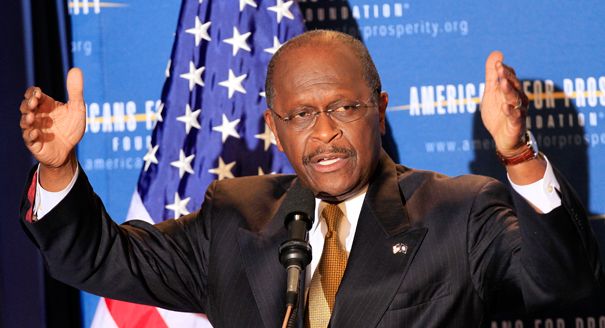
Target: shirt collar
<point>351,208</point>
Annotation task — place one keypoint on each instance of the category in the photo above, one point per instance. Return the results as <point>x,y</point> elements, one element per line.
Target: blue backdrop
<point>430,55</point>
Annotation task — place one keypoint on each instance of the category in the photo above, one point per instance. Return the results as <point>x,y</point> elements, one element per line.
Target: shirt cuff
<point>46,200</point>
<point>542,194</point>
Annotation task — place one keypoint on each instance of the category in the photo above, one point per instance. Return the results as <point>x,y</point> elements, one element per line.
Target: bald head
<point>324,38</point>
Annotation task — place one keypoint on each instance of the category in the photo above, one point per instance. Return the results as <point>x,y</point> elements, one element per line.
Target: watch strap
<point>530,151</point>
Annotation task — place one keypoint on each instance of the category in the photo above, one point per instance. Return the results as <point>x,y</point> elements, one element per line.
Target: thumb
<point>491,74</point>
<point>75,85</point>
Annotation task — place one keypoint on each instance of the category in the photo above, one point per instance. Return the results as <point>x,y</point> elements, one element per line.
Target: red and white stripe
<point>117,314</point>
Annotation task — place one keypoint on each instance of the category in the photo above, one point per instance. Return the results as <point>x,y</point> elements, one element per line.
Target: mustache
<point>331,150</point>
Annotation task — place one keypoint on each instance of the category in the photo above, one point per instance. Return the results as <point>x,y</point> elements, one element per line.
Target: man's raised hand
<point>504,105</point>
<point>51,129</point>
<point>503,111</point>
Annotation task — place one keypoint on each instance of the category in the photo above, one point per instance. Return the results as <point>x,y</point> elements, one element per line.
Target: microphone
<point>295,252</point>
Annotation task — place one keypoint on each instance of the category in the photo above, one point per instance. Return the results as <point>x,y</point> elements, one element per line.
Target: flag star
<point>167,71</point>
<point>158,113</point>
<point>238,41</point>
<point>194,75</point>
<point>183,164</point>
<point>282,9</point>
<point>234,83</point>
<point>179,206</point>
<point>190,119</point>
<point>243,3</point>
<point>267,137</point>
<point>200,31</point>
<point>276,46</point>
<point>263,94</point>
<point>261,172</point>
<point>227,128</point>
<point>223,170</point>
<point>150,157</point>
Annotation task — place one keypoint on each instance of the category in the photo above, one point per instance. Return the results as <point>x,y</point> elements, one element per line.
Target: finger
<point>30,92</point>
<point>30,136</point>
<point>44,101</point>
<point>32,140</point>
<point>26,121</point>
<point>512,111</point>
<point>32,103</point>
<point>516,114</point>
<point>513,86</point>
<point>35,99</point>
<point>24,107</point>
<point>507,72</point>
<point>28,103</point>
<point>510,69</point>
<point>510,93</point>
<point>75,85</point>
<point>23,124</point>
<point>491,74</point>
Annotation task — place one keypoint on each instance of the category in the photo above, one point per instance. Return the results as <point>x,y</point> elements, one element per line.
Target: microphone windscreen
<point>301,199</point>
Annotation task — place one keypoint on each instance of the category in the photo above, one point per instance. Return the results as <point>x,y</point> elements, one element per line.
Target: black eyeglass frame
<point>330,112</point>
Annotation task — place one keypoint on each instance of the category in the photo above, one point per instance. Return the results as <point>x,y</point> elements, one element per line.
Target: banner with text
<point>430,55</point>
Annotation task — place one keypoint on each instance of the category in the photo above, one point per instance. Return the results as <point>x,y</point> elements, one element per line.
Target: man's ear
<point>383,102</point>
<point>271,124</point>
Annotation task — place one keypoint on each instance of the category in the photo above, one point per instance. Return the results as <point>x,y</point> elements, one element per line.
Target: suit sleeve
<point>548,259</point>
<point>164,265</point>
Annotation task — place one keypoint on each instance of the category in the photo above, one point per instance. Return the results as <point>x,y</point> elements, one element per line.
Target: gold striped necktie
<point>329,272</point>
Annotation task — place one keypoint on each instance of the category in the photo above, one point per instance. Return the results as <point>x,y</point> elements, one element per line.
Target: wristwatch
<point>529,152</point>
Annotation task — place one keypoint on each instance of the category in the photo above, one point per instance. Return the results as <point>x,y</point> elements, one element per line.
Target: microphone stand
<point>295,255</point>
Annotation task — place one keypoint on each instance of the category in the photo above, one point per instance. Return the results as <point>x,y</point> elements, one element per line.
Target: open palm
<point>50,128</point>
<point>504,105</point>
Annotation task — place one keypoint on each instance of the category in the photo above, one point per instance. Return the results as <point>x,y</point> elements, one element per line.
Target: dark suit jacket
<point>465,249</point>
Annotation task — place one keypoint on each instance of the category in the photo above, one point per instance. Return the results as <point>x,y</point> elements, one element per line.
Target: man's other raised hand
<point>52,129</point>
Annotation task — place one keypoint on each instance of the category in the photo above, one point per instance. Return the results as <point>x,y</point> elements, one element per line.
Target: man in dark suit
<point>416,248</point>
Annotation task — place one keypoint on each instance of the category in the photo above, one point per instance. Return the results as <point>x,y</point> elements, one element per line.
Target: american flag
<point>209,123</point>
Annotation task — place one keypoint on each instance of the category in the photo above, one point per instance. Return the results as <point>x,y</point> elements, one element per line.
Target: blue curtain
<point>34,41</point>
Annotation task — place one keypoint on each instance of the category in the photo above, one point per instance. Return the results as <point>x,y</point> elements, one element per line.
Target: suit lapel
<point>374,270</point>
<point>265,273</point>
<point>383,248</point>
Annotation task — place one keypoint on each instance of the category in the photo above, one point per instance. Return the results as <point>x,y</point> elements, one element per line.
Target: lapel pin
<point>400,248</point>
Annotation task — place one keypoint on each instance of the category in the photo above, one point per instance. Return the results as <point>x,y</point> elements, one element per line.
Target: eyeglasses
<point>303,119</point>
